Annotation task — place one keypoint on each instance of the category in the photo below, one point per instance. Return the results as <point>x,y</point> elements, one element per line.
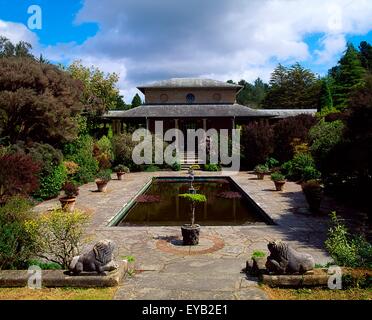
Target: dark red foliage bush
<point>256,143</point>
<point>70,189</point>
<point>288,129</point>
<point>18,175</point>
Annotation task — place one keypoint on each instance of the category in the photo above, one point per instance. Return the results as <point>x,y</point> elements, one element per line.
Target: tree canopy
<point>8,49</point>
<point>348,76</point>
<point>137,101</point>
<point>38,102</point>
<point>292,88</point>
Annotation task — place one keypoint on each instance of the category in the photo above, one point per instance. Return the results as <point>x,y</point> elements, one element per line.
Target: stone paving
<point>163,272</point>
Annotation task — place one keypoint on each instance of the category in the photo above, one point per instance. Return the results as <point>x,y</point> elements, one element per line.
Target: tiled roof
<point>189,83</point>
<point>202,110</point>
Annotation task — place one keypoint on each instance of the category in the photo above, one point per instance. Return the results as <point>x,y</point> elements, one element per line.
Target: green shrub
<point>47,156</point>
<point>310,173</point>
<point>123,146</point>
<point>151,168</point>
<point>261,168</point>
<point>104,175</point>
<point>325,136</point>
<point>211,167</point>
<point>258,254</point>
<point>81,152</point>
<point>44,265</point>
<point>50,185</point>
<point>346,250</point>
<point>272,163</point>
<point>176,166</point>
<point>58,236</point>
<point>16,245</point>
<point>193,197</point>
<point>295,168</point>
<point>105,146</point>
<point>277,176</point>
<point>121,168</point>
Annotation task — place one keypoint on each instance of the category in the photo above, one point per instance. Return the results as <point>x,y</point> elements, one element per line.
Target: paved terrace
<point>212,270</point>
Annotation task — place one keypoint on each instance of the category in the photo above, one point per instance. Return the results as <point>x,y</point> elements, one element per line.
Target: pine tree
<point>349,76</point>
<point>366,55</point>
<point>292,88</point>
<point>326,100</point>
<point>136,102</point>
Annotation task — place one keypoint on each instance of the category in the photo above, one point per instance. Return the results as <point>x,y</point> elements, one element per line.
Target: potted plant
<point>314,193</point>
<point>103,178</point>
<point>279,180</point>
<point>120,171</point>
<point>68,201</point>
<point>191,232</point>
<point>260,170</point>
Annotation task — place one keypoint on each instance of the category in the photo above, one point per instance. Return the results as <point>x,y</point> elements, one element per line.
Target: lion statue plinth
<point>284,259</point>
<point>100,259</point>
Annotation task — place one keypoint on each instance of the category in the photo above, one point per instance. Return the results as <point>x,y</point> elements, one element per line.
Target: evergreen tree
<point>292,88</point>
<point>136,102</point>
<point>326,100</point>
<point>120,103</point>
<point>349,76</point>
<point>8,49</point>
<point>251,95</point>
<point>366,55</point>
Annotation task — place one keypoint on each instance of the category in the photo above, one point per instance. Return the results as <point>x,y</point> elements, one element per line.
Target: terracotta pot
<point>101,185</point>
<point>279,185</point>
<point>120,175</point>
<point>260,176</point>
<point>190,234</point>
<point>68,204</point>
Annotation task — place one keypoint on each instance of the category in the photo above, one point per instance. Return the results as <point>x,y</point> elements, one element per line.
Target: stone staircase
<point>187,159</point>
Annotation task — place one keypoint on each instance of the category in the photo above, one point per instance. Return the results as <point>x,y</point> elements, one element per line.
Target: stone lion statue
<point>99,259</point>
<point>284,259</point>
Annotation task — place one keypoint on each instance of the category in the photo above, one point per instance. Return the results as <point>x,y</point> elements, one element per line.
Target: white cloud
<point>146,40</point>
<point>16,32</point>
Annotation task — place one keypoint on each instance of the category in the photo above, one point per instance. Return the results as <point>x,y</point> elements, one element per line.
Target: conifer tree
<point>136,102</point>
<point>349,76</point>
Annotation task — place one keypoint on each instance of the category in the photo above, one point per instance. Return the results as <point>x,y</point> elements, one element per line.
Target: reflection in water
<point>225,205</point>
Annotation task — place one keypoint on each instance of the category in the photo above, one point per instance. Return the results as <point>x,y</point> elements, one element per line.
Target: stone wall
<point>169,96</point>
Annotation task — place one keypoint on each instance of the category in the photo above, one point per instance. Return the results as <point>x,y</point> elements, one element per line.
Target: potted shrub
<point>314,193</point>
<point>279,180</point>
<point>191,232</point>
<point>120,171</point>
<point>260,170</point>
<point>103,178</point>
<point>68,201</point>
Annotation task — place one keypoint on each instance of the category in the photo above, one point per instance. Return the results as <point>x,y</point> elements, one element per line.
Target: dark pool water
<point>170,210</point>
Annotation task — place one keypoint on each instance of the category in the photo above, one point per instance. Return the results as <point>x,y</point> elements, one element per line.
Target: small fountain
<point>192,190</point>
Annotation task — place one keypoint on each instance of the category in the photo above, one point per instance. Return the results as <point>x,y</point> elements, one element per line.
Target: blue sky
<point>146,40</point>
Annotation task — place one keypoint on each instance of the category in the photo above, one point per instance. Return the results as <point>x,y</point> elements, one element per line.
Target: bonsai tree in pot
<point>120,171</point>
<point>103,178</point>
<point>313,191</point>
<point>191,232</point>
<point>260,170</point>
<point>68,201</point>
<point>279,180</point>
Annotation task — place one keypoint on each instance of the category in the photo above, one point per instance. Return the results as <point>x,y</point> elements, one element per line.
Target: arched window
<point>190,98</point>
